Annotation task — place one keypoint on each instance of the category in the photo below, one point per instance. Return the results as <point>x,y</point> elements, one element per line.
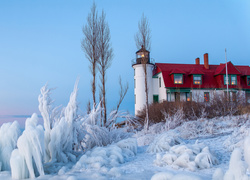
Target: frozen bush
<point>162,143</point>
<point>29,155</point>
<point>9,134</point>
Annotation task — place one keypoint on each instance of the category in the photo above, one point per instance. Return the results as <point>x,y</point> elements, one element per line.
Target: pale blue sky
<point>40,41</point>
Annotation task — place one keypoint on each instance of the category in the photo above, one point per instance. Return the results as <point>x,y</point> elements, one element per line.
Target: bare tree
<point>143,40</point>
<point>106,56</point>
<point>90,45</point>
<point>143,36</point>
<point>122,93</point>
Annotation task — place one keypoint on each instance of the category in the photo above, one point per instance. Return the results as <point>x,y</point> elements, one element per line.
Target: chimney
<point>197,61</point>
<point>206,65</point>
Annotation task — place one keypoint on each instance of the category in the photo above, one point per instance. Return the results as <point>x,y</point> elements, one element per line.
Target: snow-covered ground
<point>142,156</point>
<point>70,147</point>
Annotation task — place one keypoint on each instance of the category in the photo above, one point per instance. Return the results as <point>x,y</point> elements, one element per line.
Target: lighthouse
<point>141,67</point>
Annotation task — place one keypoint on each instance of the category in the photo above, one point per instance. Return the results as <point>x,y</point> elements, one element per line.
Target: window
<point>135,83</point>
<point>206,96</point>
<point>226,80</point>
<point>188,96</point>
<point>197,79</point>
<point>159,82</point>
<point>155,98</point>
<point>232,80</point>
<point>234,96</point>
<point>178,79</point>
<point>248,80</point>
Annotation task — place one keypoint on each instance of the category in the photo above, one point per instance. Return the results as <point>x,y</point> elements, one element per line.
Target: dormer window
<point>197,79</point>
<point>178,79</point>
<point>231,80</point>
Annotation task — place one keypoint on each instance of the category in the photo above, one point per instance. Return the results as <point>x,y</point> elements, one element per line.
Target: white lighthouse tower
<point>142,62</point>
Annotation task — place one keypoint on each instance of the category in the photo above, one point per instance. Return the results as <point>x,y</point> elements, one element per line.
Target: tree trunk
<point>146,93</point>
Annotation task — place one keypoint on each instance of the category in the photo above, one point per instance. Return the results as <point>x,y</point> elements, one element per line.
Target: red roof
<point>211,78</point>
<point>231,69</point>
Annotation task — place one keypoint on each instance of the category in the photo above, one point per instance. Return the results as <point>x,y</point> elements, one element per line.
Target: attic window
<point>248,80</point>
<point>197,79</point>
<point>178,79</point>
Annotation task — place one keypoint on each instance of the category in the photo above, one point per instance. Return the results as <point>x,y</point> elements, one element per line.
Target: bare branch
<point>143,36</point>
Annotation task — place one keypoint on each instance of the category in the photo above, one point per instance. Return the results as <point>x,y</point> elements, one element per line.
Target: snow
<point>70,146</point>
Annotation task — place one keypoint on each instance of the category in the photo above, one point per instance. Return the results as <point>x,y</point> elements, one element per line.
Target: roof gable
<point>231,69</point>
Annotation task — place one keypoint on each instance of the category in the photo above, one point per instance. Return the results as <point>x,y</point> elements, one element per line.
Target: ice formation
<point>27,160</point>
<point>247,151</point>
<point>237,168</point>
<point>162,143</point>
<point>60,131</point>
<point>9,134</point>
<point>181,156</point>
<point>100,158</point>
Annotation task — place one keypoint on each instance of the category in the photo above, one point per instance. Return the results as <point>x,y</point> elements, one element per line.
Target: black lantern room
<point>142,56</point>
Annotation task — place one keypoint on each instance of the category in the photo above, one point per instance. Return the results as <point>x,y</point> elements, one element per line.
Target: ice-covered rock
<point>9,134</point>
<point>205,159</point>
<point>29,155</point>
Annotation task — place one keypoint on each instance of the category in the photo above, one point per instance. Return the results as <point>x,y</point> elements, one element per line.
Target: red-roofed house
<point>187,82</point>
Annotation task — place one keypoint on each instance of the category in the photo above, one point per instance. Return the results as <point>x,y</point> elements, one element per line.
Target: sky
<point>40,42</point>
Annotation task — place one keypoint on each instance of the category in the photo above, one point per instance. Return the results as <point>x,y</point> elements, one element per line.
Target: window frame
<point>248,80</point>
<point>190,96</point>
<point>206,97</point>
<point>180,75</point>
<point>197,75</point>
<point>155,98</point>
<point>232,80</point>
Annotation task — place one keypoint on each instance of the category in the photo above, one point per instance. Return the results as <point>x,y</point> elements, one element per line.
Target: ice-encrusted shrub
<point>9,134</point>
<point>27,160</point>
<point>236,140</point>
<point>60,126</point>
<point>163,142</point>
<point>66,131</point>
